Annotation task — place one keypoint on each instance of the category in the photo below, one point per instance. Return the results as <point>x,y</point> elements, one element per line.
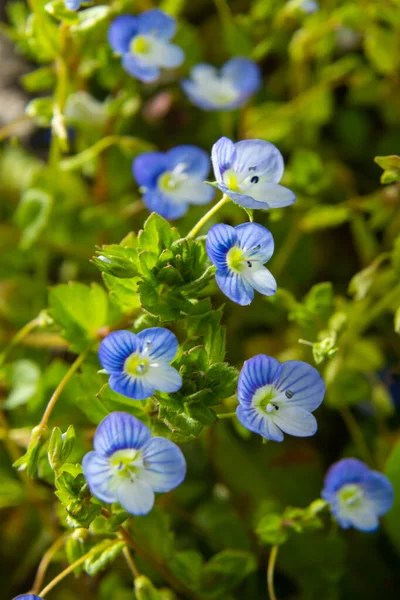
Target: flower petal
<point>121,32</point>
<point>196,159</point>
<point>222,155</point>
<point>244,74</point>
<point>115,349</point>
<point>304,382</point>
<point>243,199</point>
<point>256,372</point>
<point>259,423</point>
<point>235,287</point>
<point>165,465</point>
<point>137,388</point>
<point>220,240</point>
<point>348,470</point>
<point>252,236</point>
<point>160,343</point>
<point>272,194</point>
<point>163,378</point>
<point>147,167</point>
<point>99,475</point>
<point>361,517</point>
<point>164,205</point>
<point>295,420</point>
<point>261,280</point>
<point>136,497</point>
<point>172,56</point>
<point>118,431</point>
<point>379,492</point>
<point>143,72</point>
<point>158,23</point>
<point>258,157</point>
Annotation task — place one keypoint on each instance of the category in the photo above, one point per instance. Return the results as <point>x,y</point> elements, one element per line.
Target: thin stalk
<point>73,566</point>
<point>130,562</point>
<point>208,216</point>
<point>271,570</point>
<point>74,367</point>
<point>45,562</point>
<point>19,336</point>
<point>356,434</point>
<point>227,415</point>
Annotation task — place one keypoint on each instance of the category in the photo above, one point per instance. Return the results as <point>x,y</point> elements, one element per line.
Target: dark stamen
<point>289,394</point>
<point>254,179</point>
<point>249,263</point>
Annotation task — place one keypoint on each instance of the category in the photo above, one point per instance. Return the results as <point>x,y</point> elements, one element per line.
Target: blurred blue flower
<point>239,254</point>
<point>172,180</point>
<point>357,495</point>
<point>309,6</point>
<point>248,173</point>
<point>144,43</point>
<point>223,89</point>
<point>27,597</point>
<point>139,364</point>
<point>276,398</point>
<point>72,5</point>
<point>128,465</point>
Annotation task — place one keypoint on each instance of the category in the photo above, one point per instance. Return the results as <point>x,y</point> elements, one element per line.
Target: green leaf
<point>90,19</point>
<point>39,80</point>
<point>58,10</point>
<point>271,531</point>
<point>391,168</point>
<point>25,380</point>
<point>157,234</point>
<point>100,561</point>
<point>29,462</point>
<point>324,217</point>
<point>153,533</point>
<point>60,446</point>
<point>32,215</point>
<point>222,379</point>
<point>42,110</point>
<point>118,261</point>
<point>382,48</point>
<point>80,311</point>
<point>145,590</point>
<point>225,571</point>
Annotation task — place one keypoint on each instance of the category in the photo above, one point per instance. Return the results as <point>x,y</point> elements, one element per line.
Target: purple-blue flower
<point>239,254</point>
<point>71,5</point>
<point>357,495</point>
<point>248,173</point>
<point>172,180</point>
<point>144,43</point>
<point>27,597</point>
<point>140,364</point>
<point>128,465</point>
<point>227,88</point>
<point>277,398</point>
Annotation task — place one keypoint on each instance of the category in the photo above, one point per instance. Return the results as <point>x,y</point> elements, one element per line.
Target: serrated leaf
<point>103,559</point>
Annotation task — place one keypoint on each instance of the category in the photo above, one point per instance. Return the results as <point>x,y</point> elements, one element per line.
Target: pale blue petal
<point>115,349</point>
<point>203,194</point>
<point>242,199</point>
<point>137,388</point>
<point>136,68</point>
<point>161,344</point>
<point>163,378</point>
<point>119,431</point>
<point>235,287</point>
<point>203,71</point>
<point>244,74</point>
<point>256,372</point>
<point>220,240</point>
<point>295,420</point>
<point>172,56</point>
<point>165,465</point>
<point>222,156</point>
<point>272,194</point>
<point>121,32</point>
<point>147,168</point>
<point>196,160</point>
<point>27,597</point>
<point>99,475</point>
<point>261,280</point>
<point>194,92</point>
<point>136,497</point>
<point>259,158</point>
<point>362,517</point>
<point>254,421</point>
<point>305,384</point>
<point>160,203</point>
<point>256,241</point>
<point>379,492</point>
<point>72,4</point>
<point>158,23</point>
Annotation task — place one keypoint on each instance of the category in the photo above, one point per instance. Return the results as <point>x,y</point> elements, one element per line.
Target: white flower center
<point>220,90</point>
<point>172,181</point>
<point>350,495</point>
<point>241,261</point>
<point>127,463</point>
<point>269,400</point>
<point>136,364</point>
<point>141,44</point>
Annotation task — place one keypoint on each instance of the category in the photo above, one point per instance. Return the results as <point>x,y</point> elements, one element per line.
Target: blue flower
<point>276,398</point>
<point>27,597</point>
<point>71,5</point>
<point>172,180</point>
<point>128,465</point>
<point>239,254</point>
<point>139,364</point>
<point>248,172</point>
<point>357,495</point>
<point>144,43</point>
<point>224,89</point>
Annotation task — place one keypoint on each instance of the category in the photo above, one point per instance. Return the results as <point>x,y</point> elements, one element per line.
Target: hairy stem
<point>208,216</point>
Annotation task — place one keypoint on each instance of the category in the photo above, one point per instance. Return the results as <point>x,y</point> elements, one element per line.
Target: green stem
<point>381,306</point>
<point>208,216</point>
<point>228,415</point>
<point>73,566</point>
<point>18,337</point>
<point>356,435</point>
<point>45,562</point>
<point>75,162</point>
<point>270,573</point>
<point>74,367</point>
